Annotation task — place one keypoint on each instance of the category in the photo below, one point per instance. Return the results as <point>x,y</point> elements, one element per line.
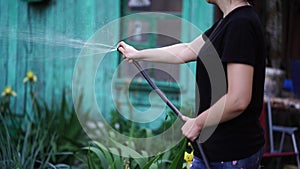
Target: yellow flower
<point>188,157</point>
<point>30,77</point>
<point>8,92</point>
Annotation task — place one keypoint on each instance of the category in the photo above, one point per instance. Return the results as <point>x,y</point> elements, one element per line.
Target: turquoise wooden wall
<point>47,38</point>
<point>199,13</point>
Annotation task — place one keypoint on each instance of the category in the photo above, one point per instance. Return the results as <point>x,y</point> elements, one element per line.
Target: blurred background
<point>40,41</point>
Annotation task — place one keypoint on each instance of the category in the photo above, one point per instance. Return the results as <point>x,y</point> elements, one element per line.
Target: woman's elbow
<point>237,102</point>
<point>188,54</point>
<point>240,104</point>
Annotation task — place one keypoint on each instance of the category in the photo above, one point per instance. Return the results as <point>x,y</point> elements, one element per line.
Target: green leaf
<point>126,151</point>
<point>99,154</point>
<point>91,163</point>
<point>166,155</point>
<point>150,163</point>
<point>106,153</point>
<point>178,160</point>
<point>116,156</point>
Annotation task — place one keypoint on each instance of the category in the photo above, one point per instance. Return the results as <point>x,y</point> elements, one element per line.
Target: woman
<point>238,39</point>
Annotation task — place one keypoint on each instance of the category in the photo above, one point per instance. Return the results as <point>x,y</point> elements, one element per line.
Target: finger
<point>183,133</point>
<point>192,139</point>
<point>121,49</point>
<point>121,44</point>
<point>185,130</point>
<point>184,118</point>
<point>189,136</point>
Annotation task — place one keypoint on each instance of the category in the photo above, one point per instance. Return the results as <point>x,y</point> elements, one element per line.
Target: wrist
<point>138,55</point>
<point>200,121</point>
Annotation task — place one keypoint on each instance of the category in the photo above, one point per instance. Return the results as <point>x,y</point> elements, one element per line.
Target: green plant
<point>99,156</point>
<point>40,137</point>
<point>133,129</point>
<point>70,135</point>
<point>7,151</point>
<point>24,145</point>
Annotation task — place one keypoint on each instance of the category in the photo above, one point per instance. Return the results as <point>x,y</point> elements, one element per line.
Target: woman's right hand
<point>129,53</point>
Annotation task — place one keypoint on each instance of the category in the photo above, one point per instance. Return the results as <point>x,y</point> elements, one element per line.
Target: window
<point>165,78</point>
<point>171,6</point>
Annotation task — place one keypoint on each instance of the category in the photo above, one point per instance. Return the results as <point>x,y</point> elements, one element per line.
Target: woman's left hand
<point>190,129</point>
<point>129,53</point>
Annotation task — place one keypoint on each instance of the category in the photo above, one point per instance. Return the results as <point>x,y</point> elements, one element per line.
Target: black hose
<point>171,106</point>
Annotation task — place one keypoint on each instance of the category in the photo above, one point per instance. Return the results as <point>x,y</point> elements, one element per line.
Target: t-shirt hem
<point>238,60</point>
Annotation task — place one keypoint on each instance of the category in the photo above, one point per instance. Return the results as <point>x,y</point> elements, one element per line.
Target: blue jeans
<point>251,162</point>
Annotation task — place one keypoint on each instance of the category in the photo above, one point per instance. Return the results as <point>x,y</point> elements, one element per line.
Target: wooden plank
<point>3,44</point>
<point>70,53</point>
<point>59,67</point>
<point>37,21</point>
<point>24,46</point>
<point>12,78</point>
<point>111,11</point>
<point>28,52</point>
<point>50,52</point>
<point>83,19</point>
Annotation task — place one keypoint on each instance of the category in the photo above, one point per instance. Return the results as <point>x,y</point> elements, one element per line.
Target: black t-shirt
<point>237,38</point>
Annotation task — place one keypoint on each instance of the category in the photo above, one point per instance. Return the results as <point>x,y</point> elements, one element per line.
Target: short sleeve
<point>240,44</point>
<point>209,31</point>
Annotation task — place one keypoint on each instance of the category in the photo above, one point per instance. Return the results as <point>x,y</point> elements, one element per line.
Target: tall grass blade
<point>178,160</point>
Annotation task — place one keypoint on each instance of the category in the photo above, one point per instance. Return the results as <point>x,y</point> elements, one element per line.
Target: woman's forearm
<point>179,53</point>
<point>223,110</point>
<point>226,108</point>
<point>237,98</point>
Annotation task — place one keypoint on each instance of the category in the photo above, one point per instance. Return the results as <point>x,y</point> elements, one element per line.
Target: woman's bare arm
<point>178,53</point>
<point>231,105</point>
